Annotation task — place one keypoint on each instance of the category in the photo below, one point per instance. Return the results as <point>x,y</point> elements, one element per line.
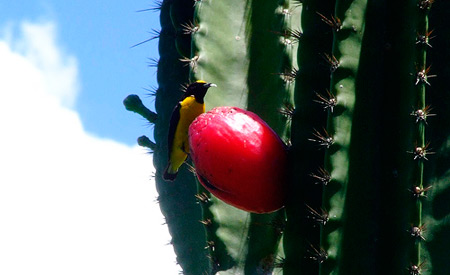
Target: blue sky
<point>77,194</point>
<point>100,34</point>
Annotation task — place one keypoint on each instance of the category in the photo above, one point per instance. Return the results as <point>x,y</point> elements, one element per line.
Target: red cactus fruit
<point>239,159</point>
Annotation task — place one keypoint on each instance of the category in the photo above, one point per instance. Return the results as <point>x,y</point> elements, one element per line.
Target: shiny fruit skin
<point>239,159</point>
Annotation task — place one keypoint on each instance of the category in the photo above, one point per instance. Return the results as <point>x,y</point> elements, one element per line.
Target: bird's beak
<point>207,85</point>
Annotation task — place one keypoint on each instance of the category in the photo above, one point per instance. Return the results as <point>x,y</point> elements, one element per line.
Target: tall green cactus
<point>348,85</point>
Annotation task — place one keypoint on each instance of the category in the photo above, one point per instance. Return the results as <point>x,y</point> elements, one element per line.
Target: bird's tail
<point>170,173</point>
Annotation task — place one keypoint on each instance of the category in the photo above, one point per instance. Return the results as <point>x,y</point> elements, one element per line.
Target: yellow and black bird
<point>191,106</point>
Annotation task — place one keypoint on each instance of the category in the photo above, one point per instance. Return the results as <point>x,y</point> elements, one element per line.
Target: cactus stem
<point>266,265</point>
<point>328,102</point>
<point>324,140</point>
<point>134,104</point>
<point>334,22</point>
<point>424,39</point>
<point>286,12</point>
<point>332,61</point>
<point>215,264</point>
<point>297,3</point>
<point>279,224</point>
<point>318,216</point>
<point>318,255</point>
<point>288,42</point>
<point>146,142</point>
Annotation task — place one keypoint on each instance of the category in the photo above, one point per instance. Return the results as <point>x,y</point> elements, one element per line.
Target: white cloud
<point>70,203</point>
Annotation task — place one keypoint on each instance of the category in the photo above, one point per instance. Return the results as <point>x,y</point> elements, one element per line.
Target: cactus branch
<point>134,104</point>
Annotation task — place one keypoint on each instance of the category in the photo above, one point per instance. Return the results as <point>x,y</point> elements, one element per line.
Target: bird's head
<point>198,89</point>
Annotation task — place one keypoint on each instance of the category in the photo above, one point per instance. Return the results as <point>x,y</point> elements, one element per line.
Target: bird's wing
<point>173,126</point>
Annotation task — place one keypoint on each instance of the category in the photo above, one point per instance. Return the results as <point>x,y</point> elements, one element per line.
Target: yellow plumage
<point>183,115</point>
<point>189,110</point>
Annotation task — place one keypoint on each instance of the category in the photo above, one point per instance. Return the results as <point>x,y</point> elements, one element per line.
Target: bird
<point>191,106</point>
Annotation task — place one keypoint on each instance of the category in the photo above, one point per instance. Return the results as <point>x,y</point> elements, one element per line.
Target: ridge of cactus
<point>347,25</point>
<point>302,230</point>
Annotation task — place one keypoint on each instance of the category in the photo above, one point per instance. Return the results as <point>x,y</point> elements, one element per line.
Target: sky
<point>77,194</point>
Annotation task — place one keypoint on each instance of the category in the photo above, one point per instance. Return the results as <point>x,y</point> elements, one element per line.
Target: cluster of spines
<point>324,140</point>
<point>203,198</point>
<point>290,35</point>
<point>421,149</point>
<point>213,245</point>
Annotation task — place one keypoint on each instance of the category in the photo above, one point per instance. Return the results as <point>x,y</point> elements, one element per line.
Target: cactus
<point>349,85</point>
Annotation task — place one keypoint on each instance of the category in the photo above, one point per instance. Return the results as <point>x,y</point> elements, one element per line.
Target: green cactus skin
<point>348,28</point>
<point>181,12</point>
<point>360,221</point>
<point>134,104</point>
<point>302,230</point>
